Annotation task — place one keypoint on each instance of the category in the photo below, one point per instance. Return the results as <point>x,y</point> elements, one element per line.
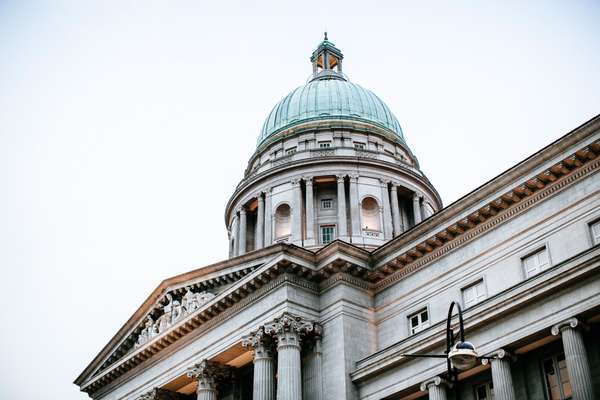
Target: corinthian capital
<point>151,395</point>
<point>289,323</point>
<point>208,373</point>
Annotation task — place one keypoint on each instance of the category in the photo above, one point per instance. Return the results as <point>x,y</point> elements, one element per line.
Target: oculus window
<point>418,321</point>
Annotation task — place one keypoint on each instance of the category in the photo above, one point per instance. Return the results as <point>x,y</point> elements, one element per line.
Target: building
<point>343,261</point>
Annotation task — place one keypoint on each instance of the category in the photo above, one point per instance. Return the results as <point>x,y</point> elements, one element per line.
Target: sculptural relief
<point>173,312</point>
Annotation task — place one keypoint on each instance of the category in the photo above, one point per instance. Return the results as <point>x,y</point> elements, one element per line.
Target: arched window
<point>283,221</point>
<point>369,209</point>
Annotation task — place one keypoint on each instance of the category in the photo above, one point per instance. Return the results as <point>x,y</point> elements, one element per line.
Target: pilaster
<point>310,212</point>
<point>387,212</point>
<point>296,212</point>
<point>397,223</point>
<point>260,221</point>
<point>355,207</point>
<point>242,232</point>
<point>341,209</point>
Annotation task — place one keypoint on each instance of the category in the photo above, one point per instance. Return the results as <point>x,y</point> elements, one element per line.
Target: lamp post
<point>460,355</point>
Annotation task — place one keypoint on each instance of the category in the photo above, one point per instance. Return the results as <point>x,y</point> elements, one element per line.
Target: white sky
<point>125,126</point>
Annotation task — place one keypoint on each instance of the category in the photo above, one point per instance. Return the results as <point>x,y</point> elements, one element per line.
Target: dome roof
<point>331,97</point>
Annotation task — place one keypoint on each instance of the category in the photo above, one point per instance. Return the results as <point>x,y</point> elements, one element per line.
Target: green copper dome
<point>329,99</point>
<point>329,95</point>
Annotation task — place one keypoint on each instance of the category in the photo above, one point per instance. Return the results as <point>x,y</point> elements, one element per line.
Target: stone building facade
<point>343,263</point>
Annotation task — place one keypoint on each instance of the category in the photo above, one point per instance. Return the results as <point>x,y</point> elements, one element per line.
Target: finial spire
<point>325,35</point>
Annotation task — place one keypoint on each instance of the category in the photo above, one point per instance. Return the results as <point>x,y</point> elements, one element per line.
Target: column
<point>312,373</point>
<point>387,212</point>
<point>576,358</point>
<point>436,387</point>
<point>296,212</point>
<point>354,206</point>
<point>268,218</point>
<point>341,208</point>
<point>396,211</point>
<point>501,375</point>
<point>264,366</point>
<point>260,222</point>
<point>208,374</point>
<point>242,235</point>
<point>417,208</point>
<point>288,330</point>
<point>234,235</point>
<point>310,212</point>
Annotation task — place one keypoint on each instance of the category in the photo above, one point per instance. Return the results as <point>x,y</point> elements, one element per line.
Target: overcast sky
<point>125,126</point>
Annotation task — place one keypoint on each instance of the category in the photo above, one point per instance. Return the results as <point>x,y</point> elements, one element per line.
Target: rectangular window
<point>536,262</point>
<point>327,204</point>
<point>324,145</point>
<point>558,385</point>
<point>359,146</point>
<point>290,151</point>
<point>418,321</point>
<point>327,233</point>
<point>485,391</point>
<point>595,230</point>
<point>473,294</point>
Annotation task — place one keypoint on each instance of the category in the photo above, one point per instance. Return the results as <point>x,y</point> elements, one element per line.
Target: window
<point>324,145</point>
<point>359,146</point>
<point>290,151</point>
<point>595,229</point>
<point>473,294</point>
<point>558,385</point>
<point>485,391</point>
<point>327,233</point>
<point>327,204</point>
<point>418,321</point>
<point>536,262</point>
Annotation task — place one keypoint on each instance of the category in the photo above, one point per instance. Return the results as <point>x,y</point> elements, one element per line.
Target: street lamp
<point>460,355</point>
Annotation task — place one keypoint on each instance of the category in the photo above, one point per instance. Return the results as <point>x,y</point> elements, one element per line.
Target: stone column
<point>234,235</point>
<point>417,208</point>
<point>576,358</point>
<point>264,366</point>
<point>260,223</point>
<point>296,212</point>
<point>312,372</point>
<point>242,235</point>
<point>501,375</point>
<point>208,374</point>
<point>387,212</point>
<point>341,208</point>
<point>436,387</point>
<point>268,218</point>
<point>288,330</point>
<point>354,206</point>
<point>396,219</point>
<point>310,212</point>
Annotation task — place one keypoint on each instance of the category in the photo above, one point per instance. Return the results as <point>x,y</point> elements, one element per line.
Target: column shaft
<point>312,374</point>
<point>502,379</point>
<point>355,207</point>
<point>417,208</point>
<point>396,211</point>
<point>206,392</point>
<point>235,235</point>
<point>268,219</point>
<point>289,372</point>
<point>387,212</point>
<point>260,221</point>
<point>296,212</point>
<point>437,392</point>
<point>341,208</point>
<point>310,212</point>
<point>264,375</point>
<point>577,364</point>
<point>242,235</point>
